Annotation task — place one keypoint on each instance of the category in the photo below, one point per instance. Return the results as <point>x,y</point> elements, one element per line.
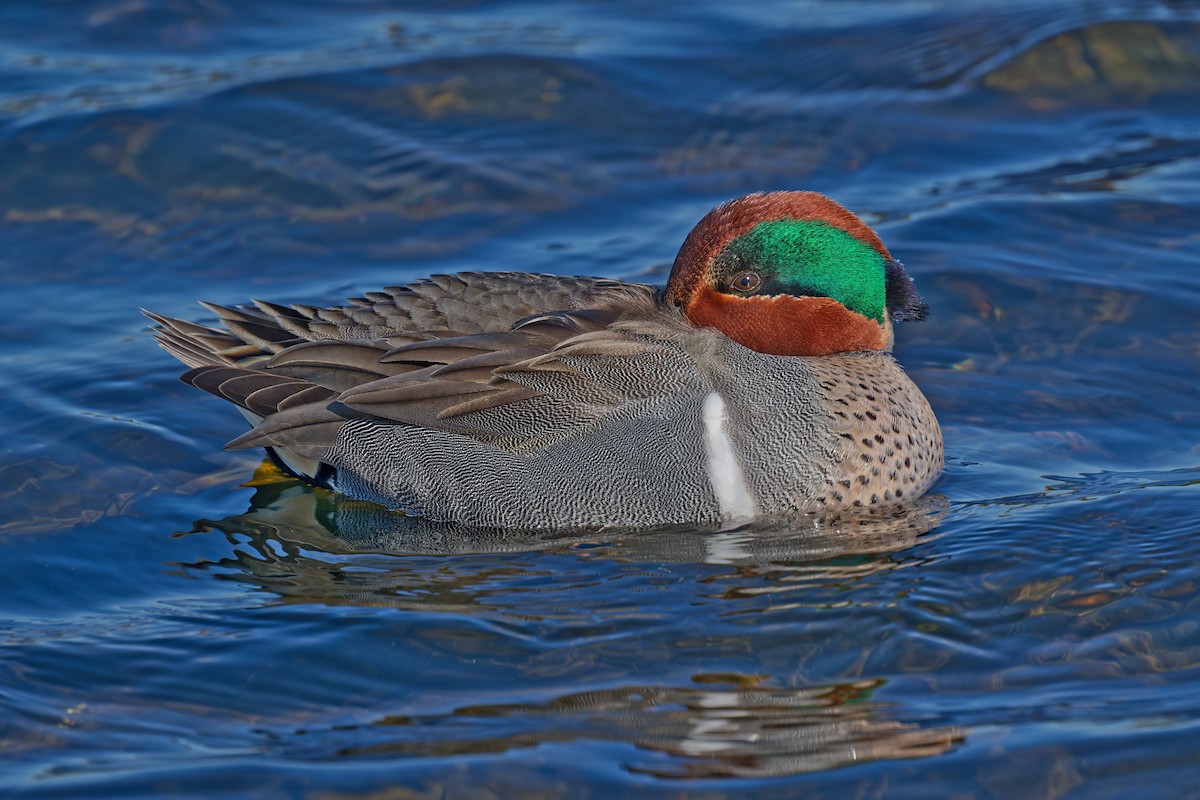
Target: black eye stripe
<point>743,275</point>
<point>795,290</point>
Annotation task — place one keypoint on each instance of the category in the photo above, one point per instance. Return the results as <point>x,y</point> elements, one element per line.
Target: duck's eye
<point>746,282</point>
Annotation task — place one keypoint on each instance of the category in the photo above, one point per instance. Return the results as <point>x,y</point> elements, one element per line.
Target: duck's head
<point>792,273</point>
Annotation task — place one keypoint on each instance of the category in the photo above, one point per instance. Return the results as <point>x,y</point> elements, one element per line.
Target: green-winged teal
<point>759,383</point>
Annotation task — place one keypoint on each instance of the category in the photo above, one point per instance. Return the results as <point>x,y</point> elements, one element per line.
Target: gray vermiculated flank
<point>640,461</point>
<point>643,463</point>
<point>575,483</point>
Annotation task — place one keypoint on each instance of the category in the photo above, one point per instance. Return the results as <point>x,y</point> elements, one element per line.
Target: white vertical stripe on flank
<point>724,471</point>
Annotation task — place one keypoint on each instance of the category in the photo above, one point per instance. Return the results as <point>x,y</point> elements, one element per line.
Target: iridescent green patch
<point>814,257</point>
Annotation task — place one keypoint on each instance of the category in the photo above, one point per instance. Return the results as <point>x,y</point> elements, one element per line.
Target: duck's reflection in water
<point>309,546</point>
<point>318,533</point>
<point>715,729</point>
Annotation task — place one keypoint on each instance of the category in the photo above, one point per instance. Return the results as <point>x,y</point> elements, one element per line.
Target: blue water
<point>176,620</point>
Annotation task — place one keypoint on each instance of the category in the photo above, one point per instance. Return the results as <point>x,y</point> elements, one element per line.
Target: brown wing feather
<point>468,302</point>
<point>461,376</point>
<point>475,353</point>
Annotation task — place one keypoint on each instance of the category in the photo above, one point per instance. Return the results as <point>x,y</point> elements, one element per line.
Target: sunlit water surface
<point>179,620</point>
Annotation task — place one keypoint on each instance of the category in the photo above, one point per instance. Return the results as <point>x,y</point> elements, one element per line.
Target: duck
<point>758,383</point>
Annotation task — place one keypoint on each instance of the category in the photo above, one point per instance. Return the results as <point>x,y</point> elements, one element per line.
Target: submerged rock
<point>1106,60</point>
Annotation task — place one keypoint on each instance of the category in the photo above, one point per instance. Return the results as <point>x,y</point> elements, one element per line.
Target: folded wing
<point>512,360</point>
